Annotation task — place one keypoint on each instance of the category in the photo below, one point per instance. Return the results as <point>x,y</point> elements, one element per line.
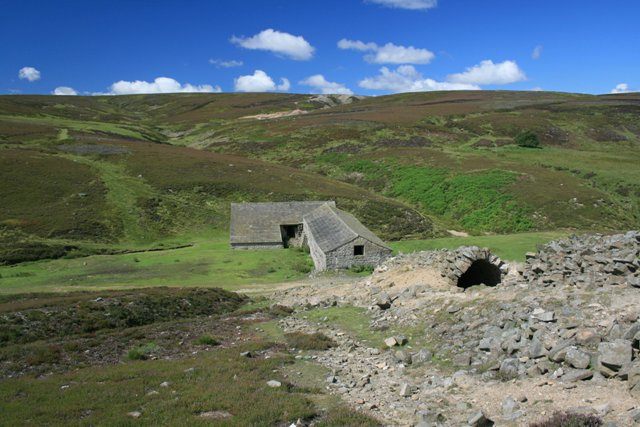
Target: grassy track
<point>123,194</point>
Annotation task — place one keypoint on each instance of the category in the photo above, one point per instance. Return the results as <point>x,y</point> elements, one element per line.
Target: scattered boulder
<point>391,342</point>
<point>509,368</point>
<point>577,358</point>
<point>613,355</point>
<point>422,356</point>
<point>479,419</point>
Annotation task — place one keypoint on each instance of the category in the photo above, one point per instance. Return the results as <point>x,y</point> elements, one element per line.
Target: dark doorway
<point>480,271</point>
<point>358,250</point>
<point>290,232</point>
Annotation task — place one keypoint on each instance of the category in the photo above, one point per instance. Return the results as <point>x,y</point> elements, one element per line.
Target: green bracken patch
<point>478,201</point>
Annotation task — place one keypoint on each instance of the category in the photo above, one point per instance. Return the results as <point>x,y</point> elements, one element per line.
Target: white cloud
<point>294,47</point>
<point>356,45</point>
<point>29,73</point>
<point>537,89</point>
<point>260,81</point>
<point>488,73</point>
<point>408,4</point>
<point>406,78</point>
<point>284,85</point>
<point>159,85</point>
<point>226,64</point>
<point>322,85</point>
<point>622,88</point>
<point>537,52</point>
<point>392,54</point>
<point>389,53</point>
<point>64,90</point>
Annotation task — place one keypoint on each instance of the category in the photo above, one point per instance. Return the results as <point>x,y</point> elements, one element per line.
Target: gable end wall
<point>343,256</point>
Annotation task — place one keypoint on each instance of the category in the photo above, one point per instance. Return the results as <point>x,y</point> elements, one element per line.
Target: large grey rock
<point>391,342</point>
<point>479,419</point>
<point>511,409</point>
<point>383,301</point>
<point>406,390</point>
<point>422,356</point>
<point>632,331</point>
<point>537,349</point>
<point>509,368</point>
<point>577,358</point>
<point>586,336</point>
<point>559,351</point>
<point>634,380</point>
<point>403,357</point>
<point>576,375</point>
<point>614,355</point>
<point>543,316</point>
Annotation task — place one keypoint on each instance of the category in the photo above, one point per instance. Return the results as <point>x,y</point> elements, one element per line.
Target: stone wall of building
<point>343,257</point>
<point>318,256</point>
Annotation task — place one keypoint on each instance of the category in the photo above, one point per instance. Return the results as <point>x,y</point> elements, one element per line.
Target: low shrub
<point>527,139</point>
<point>207,340</point>
<point>143,352</point>
<point>32,317</point>
<point>315,341</point>
<point>302,266</point>
<point>278,310</point>
<point>42,354</point>
<point>569,419</point>
<point>362,269</point>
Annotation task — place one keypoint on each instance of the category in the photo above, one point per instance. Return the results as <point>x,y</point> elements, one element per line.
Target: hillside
<point>100,174</point>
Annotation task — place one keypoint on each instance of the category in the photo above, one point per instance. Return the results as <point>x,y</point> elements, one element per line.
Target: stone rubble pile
<point>592,260</point>
<point>569,315</point>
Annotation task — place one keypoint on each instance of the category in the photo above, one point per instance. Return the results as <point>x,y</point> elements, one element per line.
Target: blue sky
<point>347,46</point>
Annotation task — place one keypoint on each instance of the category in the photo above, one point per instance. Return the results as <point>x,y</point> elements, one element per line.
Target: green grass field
<point>510,247</point>
<point>210,262</point>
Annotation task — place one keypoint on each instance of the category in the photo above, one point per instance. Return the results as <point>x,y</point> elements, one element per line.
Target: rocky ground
<point>558,332</point>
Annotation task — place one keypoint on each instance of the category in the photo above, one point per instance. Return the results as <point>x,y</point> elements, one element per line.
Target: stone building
<point>336,239</point>
<point>269,225</point>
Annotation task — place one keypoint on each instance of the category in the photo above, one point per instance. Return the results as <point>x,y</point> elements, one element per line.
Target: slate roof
<point>332,228</point>
<point>260,222</point>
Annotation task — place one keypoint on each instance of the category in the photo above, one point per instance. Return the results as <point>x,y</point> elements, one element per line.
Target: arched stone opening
<point>479,272</point>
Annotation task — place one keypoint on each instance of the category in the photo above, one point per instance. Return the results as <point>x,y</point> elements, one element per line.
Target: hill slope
<point>142,168</point>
